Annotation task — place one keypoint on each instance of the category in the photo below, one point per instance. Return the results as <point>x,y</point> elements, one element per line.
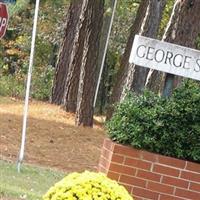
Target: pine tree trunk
<point>88,75</point>
<point>67,49</point>
<point>154,80</point>
<point>72,79</point>
<point>105,29</point>
<point>183,29</point>
<point>185,24</point>
<point>124,65</point>
<point>130,76</point>
<point>149,28</point>
<point>102,97</point>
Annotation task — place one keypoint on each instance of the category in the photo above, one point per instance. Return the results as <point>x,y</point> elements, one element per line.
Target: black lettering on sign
<point>197,67</point>
<point>150,52</point>
<point>159,55</point>
<point>139,51</point>
<point>169,57</point>
<point>186,62</point>
<point>178,60</point>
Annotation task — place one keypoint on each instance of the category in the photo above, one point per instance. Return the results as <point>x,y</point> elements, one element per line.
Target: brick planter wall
<point>149,176</point>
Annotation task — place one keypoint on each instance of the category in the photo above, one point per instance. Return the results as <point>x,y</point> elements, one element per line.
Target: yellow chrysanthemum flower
<point>87,186</point>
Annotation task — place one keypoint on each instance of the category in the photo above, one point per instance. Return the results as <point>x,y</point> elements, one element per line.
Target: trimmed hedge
<point>166,126</point>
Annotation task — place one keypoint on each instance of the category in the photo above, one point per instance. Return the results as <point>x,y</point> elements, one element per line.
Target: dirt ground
<point>52,139</point>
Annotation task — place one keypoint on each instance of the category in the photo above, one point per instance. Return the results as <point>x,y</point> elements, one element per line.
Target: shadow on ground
<point>53,142</point>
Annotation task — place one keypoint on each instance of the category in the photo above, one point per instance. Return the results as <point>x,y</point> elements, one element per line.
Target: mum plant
<point>87,186</point>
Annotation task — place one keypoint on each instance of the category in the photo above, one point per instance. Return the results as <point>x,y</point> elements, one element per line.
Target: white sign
<point>166,57</point>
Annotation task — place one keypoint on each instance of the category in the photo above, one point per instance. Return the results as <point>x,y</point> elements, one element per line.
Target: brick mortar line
<point>186,164</point>
<point>169,166</point>
<point>118,173</point>
<point>189,186</point>
<point>150,190</point>
<point>161,179</point>
<point>161,164</point>
<point>196,173</point>
<point>100,165</point>
<point>158,192</point>
<point>134,158</point>
<point>110,151</point>
<point>192,190</point>
<point>174,190</point>
<point>186,191</point>
<point>112,144</point>
<point>110,159</point>
<point>102,156</point>
<point>160,182</point>
<point>156,173</point>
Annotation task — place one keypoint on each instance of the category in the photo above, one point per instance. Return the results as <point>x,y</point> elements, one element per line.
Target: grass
<point>30,184</point>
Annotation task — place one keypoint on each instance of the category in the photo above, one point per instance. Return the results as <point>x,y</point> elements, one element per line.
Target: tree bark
<point>72,79</point>
<point>183,29</point>
<point>67,49</point>
<point>150,28</point>
<point>103,89</point>
<point>130,76</point>
<point>88,74</point>
<point>124,66</point>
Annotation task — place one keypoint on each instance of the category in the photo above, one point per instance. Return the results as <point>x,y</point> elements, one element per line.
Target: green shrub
<point>167,126</point>
<point>15,85</point>
<point>42,83</point>
<point>11,86</point>
<point>87,186</point>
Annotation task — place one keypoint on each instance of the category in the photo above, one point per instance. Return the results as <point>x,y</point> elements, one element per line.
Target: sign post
<point>104,53</point>
<point>21,154</point>
<point>163,56</point>
<point>3,19</point>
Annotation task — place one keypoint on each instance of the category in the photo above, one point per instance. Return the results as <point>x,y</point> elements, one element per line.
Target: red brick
<point>113,175</point>
<point>187,194</point>
<point>195,187</point>
<point>128,188</point>
<point>148,175</point>
<point>193,167</point>
<point>122,169</point>
<point>127,151</point>
<point>166,170</point>
<point>171,162</point>
<point>108,144</point>
<point>105,163</point>
<point>138,163</point>
<point>168,197</point>
<point>190,176</point>
<point>102,169</point>
<point>145,155</point>
<point>137,198</point>
<point>140,192</point>
<point>106,153</point>
<point>158,187</point>
<point>175,182</point>
<point>118,158</point>
<point>132,181</point>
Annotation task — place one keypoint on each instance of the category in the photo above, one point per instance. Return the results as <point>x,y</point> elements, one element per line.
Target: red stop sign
<point>3,19</point>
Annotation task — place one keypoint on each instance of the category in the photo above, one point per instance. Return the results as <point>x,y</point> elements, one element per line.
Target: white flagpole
<point>21,154</point>
<point>104,54</point>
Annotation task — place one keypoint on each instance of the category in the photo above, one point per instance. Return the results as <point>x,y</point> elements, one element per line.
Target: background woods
<point>70,43</point>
